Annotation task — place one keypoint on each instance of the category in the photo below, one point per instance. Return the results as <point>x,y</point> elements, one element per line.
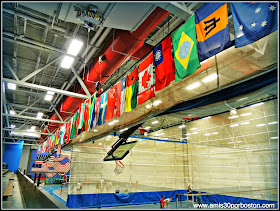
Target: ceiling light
<point>157,102</point>
<point>40,114</point>
<point>233,117</point>
<point>75,47</point>
<point>147,128</point>
<point>257,104</point>
<point>12,112</point>
<point>149,106</point>
<point>50,93</point>
<point>67,62</point>
<point>193,86</point>
<point>11,86</point>
<point>244,123</point>
<point>12,126</point>
<point>215,133</point>
<point>194,128</point>
<point>234,125</point>
<point>210,78</point>
<point>182,126</point>
<point>239,142</point>
<point>272,123</point>
<point>155,122</point>
<point>246,114</point>
<point>94,130</point>
<point>230,142</point>
<point>31,134</point>
<point>233,111</point>
<point>195,133</point>
<point>48,97</point>
<point>32,128</point>
<point>260,125</point>
<point>207,134</point>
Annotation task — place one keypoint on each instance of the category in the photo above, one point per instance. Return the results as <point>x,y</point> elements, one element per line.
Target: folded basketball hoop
<point>119,167</point>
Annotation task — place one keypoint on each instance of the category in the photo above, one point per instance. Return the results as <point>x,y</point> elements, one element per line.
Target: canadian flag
<point>146,80</point>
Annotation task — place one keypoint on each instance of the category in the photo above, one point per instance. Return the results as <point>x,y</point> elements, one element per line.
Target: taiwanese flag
<point>131,90</point>
<point>111,103</point>
<point>164,64</point>
<point>121,94</point>
<point>146,82</point>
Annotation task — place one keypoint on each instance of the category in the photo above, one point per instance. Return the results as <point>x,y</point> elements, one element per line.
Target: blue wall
<point>12,155</point>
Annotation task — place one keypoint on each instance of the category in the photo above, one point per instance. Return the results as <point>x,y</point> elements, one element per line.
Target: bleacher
<point>5,171</point>
<point>9,187</point>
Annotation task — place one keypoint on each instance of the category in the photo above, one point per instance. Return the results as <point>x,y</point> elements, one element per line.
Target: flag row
<point>205,34</point>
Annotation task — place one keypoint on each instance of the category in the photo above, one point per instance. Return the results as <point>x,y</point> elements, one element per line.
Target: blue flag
<point>252,21</point>
<point>103,109</point>
<point>212,29</point>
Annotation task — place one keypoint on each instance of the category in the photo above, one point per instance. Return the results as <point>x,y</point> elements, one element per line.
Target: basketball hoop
<point>119,167</point>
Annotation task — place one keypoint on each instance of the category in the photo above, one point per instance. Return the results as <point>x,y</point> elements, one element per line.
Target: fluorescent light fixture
<point>31,134</point>
<point>257,104</point>
<point>182,126</point>
<point>233,117</point>
<point>67,62</point>
<point>234,125</point>
<point>50,93</point>
<point>12,86</point>
<point>273,137</point>
<point>260,125</point>
<point>149,106</point>
<point>230,142</point>
<point>40,114</point>
<point>239,141</point>
<point>94,130</point>
<point>48,97</point>
<point>12,112</point>
<point>195,133</point>
<point>208,117</point>
<point>210,78</point>
<point>32,128</point>
<point>246,114</point>
<point>244,123</point>
<point>207,134</point>
<point>272,123</point>
<point>214,133</point>
<point>193,86</point>
<point>194,128</point>
<point>155,122</point>
<point>157,102</point>
<point>75,47</point>
<point>147,128</point>
<point>12,126</point>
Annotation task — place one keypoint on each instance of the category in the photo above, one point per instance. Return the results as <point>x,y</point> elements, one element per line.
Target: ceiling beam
<point>31,105</point>
<point>31,108</point>
<point>57,113</point>
<point>34,118</point>
<point>8,129</point>
<point>17,143</point>
<point>44,88</point>
<point>182,7</point>
<point>81,82</point>
<point>11,70</point>
<point>39,70</point>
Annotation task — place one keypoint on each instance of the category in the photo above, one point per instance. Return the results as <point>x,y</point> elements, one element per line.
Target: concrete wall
<point>23,164</point>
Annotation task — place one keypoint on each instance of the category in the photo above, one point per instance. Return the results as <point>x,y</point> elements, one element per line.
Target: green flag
<point>82,111</point>
<point>74,125</point>
<point>91,109</point>
<point>185,50</point>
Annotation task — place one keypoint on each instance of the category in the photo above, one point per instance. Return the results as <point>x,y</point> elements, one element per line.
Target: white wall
<point>24,158</point>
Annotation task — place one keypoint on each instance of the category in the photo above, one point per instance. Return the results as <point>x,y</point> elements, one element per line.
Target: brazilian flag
<point>185,50</point>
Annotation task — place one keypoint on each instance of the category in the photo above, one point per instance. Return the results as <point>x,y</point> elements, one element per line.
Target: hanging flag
<point>164,64</point>
<point>53,141</point>
<point>252,21</point>
<point>58,152</point>
<point>96,110</point>
<point>131,90</point>
<point>146,80</point>
<point>86,114</point>
<point>68,131</point>
<point>49,143</point>
<point>212,29</point>
<point>61,134</point>
<point>92,111</point>
<point>103,109</point>
<point>39,149</point>
<point>121,94</point>
<point>111,103</point>
<point>80,119</point>
<point>57,136</point>
<point>185,50</point>
<point>74,125</point>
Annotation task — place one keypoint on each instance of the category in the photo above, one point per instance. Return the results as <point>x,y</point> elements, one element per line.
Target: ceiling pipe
<point>125,42</point>
<point>33,19</point>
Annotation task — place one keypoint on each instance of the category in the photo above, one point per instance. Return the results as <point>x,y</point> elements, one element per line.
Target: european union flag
<point>252,21</point>
<point>103,109</point>
<point>211,21</point>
